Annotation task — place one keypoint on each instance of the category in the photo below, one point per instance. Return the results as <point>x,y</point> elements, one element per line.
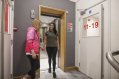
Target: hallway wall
<point>114,33</point>
<point>22,21</point>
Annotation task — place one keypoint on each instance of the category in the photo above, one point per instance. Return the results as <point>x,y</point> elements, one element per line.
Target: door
<point>7,44</point>
<point>90,43</point>
<point>62,40</point>
<point>8,39</point>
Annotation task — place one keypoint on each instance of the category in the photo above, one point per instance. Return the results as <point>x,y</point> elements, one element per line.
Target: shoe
<point>54,75</point>
<point>49,70</point>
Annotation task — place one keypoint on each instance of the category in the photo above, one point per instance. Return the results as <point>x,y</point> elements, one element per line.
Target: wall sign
<point>91,26</point>
<point>69,27</point>
<point>32,14</point>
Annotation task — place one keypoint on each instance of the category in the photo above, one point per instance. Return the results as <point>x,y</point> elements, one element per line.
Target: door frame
<point>62,40</point>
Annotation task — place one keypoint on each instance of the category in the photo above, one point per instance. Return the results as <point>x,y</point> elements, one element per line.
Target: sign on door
<point>91,26</point>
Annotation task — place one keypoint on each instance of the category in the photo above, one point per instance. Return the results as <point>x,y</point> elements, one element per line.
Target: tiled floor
<point>43,54</point>
<point>64,75</point>
<point>43,64</point>
<point>60,74</point>
<point>44,60</point>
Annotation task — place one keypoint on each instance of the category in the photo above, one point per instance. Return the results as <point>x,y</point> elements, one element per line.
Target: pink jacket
<point>32,41</point>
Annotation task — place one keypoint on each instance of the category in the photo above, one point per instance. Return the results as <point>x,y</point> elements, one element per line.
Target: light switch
<point>32,14</point>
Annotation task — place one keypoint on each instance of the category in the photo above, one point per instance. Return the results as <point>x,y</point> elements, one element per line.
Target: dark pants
<point>35,64</point>
<point>52,52</point>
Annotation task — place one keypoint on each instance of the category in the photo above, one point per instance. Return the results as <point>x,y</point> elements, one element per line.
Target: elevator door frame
<point>62,40</point>
<point>98,9</point>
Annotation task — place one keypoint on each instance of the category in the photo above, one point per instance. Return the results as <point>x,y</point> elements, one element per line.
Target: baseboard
<point>71,68</point>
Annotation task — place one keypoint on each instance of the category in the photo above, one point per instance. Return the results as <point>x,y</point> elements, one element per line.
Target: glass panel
<point>91,26</point>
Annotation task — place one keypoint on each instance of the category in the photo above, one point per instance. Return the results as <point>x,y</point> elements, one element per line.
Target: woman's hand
<point>44,47</point>
<point>33,54</point>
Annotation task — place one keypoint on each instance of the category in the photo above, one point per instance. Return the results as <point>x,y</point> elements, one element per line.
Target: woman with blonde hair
<point>32,47</point>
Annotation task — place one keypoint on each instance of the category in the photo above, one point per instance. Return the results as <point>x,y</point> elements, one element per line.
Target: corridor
<point>59,39</point>
<point>62,75</point>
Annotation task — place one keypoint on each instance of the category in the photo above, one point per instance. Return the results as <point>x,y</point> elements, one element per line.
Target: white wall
<point>114,32</point>
<point>87,3</point>
<point>77,37</point>
<point>107,42</point>
<point>111,31</point>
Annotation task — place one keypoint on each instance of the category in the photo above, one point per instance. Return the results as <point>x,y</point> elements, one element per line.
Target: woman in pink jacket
<point>32,47</point>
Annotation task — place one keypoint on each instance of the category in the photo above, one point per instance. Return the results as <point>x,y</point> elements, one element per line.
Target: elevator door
<point>90,43</point>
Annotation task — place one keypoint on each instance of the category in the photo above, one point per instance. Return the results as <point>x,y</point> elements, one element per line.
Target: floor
<point>44,60</point>
<point>60,74</point>
<point>64,75</point>
<point>43,54</point>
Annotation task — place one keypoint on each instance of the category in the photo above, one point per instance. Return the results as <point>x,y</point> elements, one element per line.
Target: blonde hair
<point>36,24</point>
